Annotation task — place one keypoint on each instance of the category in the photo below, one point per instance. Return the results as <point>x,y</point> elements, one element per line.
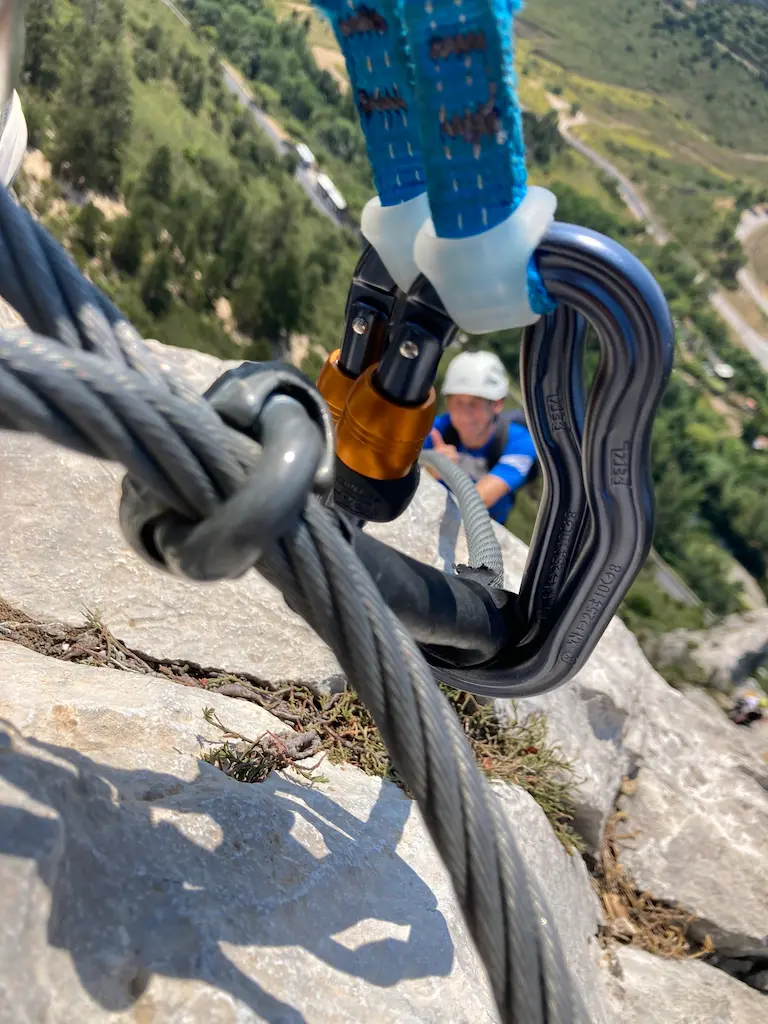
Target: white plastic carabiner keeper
<point>483,280</point>
<point>392,230</point>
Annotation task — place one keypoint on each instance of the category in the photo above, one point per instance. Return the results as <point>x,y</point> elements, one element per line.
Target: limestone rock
<point>588,716</point>
<point>726,654</point>
<point>588,719</point>
<point>700,792</point>
<point>139,882</point>
<point>571,899</point>
<point>63,551</point>
<point>653,990</point>
<point>58,520</point>
<point>699,812</point>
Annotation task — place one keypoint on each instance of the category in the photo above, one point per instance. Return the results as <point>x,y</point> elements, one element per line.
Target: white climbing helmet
<point>481,374</point>
<point>13,140</point>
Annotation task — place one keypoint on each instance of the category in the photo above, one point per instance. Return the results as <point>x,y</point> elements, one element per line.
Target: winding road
<point>753,342</point>
<point>629,194</point>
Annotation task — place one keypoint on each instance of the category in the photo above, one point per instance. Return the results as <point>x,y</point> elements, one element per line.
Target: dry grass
<point>756,246</point>
<point>634,917</point>
<point>516,752</point>
<point>250,761</point>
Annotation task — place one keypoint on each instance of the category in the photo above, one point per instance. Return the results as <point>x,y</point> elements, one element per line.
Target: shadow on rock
<point>149,874</point>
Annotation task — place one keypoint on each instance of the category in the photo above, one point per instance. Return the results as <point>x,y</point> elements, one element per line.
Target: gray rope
<point>177,446</point>
<point>482,543</point>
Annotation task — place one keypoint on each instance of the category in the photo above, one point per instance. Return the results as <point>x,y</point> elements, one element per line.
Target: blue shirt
<point>513,467</point>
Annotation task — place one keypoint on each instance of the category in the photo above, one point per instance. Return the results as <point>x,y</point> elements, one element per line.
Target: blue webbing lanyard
<point>434,86</point>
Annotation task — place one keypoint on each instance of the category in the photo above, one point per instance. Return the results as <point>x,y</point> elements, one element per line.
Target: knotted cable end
<point>485,281</point>
<point>278,407</point>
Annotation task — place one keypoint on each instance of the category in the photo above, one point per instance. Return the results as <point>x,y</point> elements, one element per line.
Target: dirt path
<point>332,62</point>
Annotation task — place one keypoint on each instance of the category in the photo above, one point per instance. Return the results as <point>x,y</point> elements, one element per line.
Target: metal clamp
<point>282,410</point>
<point>379,385</point>
<point>595,523</point>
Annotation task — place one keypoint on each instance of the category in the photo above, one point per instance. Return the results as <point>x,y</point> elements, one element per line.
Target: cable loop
<point>280,409</point>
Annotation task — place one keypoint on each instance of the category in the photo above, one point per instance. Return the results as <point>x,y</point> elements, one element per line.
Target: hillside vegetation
<point>123,100</point>
<point>693,55</point>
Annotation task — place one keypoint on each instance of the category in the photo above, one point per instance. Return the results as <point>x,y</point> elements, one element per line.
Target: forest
<point>127,102</point>
<point>739,28</point>
<point>696,55</point>
<point>217,215</point>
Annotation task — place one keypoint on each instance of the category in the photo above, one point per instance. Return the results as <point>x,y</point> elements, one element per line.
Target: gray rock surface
<point>568,895</point>
<point>727,653</point>
<point>58,519</point>
<point>63,551</point>
<point>700,814</point>
<point>700,800</point>
<point>588,719</point>
<point>141,884</point>
<point>651,990</point>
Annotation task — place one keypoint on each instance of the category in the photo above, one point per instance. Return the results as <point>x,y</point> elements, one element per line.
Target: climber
<point>492,445</point>
<point>748,708</point>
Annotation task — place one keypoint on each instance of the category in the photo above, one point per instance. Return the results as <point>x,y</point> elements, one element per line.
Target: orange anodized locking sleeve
<point>334,385</point>
<point>377,438</point>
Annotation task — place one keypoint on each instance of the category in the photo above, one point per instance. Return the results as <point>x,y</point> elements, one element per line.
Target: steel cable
<point>178,447</point>
<point>483,546</point>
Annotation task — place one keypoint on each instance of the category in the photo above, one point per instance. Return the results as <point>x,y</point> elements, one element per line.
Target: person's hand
<point>448,450</point>
<point>439,445</point>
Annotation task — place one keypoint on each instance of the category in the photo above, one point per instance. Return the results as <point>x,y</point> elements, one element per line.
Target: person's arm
<point>510,471</point>
<point>492,488</point>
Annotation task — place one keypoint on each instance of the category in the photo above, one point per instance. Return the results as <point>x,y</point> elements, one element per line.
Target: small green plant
<point>519,751</point>
<point>251,761</point>
<point>516,751</point>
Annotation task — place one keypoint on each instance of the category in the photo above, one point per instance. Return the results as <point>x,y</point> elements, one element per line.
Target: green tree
<point>189,75</point>
<point>543,138</point>
<point>90,222</point>
<point>285,297</point>
<point>41,63</point>
<point>342,138</point>
<point>94,112</point>
<point>154,289</point>
<point>155,38</point>
<point>146,64</point>
<point>112,98</point>
<point>157,180</point>
<point>128,246</point>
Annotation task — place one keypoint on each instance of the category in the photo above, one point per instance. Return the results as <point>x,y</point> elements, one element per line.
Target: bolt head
<point>359,326</point>
<point>409,350</point>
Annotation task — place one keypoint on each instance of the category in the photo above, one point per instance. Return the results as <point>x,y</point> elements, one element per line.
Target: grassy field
<point>633,43</point>
<point>159,116</point>
<point>641,117</point>
<point>756,247</point>
<point>321,38</point>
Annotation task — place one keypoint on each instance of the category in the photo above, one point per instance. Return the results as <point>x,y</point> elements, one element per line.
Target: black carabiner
<point>595,524</point>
